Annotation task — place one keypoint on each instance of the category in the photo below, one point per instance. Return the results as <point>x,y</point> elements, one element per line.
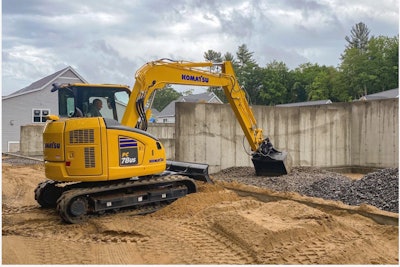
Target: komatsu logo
<point>52,145</point>
<point>194,78</point>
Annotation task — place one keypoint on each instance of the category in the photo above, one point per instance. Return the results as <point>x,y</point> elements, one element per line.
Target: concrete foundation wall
<point>31,143</point>
<point>362,134</point>
<point>339,135</point>
<point>375,133</point>
<point>166,133</point>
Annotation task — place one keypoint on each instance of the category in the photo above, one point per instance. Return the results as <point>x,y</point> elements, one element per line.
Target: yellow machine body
<point>87,149</point>
<point>100,155</point>
<point>91,149</point>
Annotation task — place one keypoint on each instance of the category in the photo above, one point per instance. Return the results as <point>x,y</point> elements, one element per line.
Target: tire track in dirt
<point>211,246</point>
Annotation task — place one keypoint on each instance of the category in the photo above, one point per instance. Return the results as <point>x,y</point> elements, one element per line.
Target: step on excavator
<point>99,157</point>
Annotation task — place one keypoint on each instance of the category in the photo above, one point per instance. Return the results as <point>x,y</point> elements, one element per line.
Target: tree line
<point>367,65</point>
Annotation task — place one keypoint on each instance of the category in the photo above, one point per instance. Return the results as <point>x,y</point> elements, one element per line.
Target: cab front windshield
<point>85,101</point>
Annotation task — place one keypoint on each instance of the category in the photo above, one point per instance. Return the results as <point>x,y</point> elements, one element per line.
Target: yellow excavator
<point>108,162</point>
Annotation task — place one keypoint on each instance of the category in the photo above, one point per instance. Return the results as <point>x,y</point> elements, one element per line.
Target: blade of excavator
<point>274,164</point>
<point>197,171</point>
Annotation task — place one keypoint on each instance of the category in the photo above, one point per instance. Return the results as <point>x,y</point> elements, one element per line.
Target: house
<point>154,114</point>
<point>307,103</point>
<point>393,93</point>
<point>31,105</point>
<point>167,115</point>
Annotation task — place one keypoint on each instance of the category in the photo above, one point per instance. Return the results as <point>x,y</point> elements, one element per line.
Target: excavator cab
<point>77,100</point>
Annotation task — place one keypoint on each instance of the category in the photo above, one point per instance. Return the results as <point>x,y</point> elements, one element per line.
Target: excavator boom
<point>155,75</point>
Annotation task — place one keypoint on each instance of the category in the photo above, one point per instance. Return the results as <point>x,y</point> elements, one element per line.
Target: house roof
<point>207,97</point>
<point>43,82</point>
<point>308,103</point>
<point>155,112</point>
<point>392,93</point>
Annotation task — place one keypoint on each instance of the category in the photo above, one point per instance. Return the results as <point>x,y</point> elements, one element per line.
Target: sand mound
<point>221,224</point>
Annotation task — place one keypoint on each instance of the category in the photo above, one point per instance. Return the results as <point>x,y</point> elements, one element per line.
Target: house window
<point>39,114</point>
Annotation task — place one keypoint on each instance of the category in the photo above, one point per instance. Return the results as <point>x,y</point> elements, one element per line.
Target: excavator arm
<point>156,75</point>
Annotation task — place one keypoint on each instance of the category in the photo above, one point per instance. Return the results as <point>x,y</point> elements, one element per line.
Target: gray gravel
<point>379,189</point>
<point>20,161</point>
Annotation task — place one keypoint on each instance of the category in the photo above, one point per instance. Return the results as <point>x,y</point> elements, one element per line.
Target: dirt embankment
<point>218,225</point>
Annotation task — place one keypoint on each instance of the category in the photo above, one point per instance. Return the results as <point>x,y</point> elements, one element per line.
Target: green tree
<point>212,56</point>
<point>383,61</point>
<point>303,77</point>
<point>322,85</point>
<point>244,56</point>
<point>371,68</point>
<point>359,37</point>
<point>249,74</point>
<point>275,83</point>
<point>229,57</point>
<point>164,97</point>
<point>355,66</point>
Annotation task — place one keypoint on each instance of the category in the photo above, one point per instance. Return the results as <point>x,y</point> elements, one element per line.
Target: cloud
<point>106,42</point>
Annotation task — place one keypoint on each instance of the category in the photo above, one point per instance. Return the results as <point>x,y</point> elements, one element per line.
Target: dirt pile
<point>217,225</point>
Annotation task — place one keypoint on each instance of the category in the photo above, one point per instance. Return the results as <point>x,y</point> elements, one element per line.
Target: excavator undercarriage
<point>75,202</point>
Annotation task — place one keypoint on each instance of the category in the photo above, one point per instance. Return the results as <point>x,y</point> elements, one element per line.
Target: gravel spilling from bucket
<point>379,189</point>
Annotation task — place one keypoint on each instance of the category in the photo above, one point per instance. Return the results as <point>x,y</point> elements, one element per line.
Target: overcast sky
<point>107,41</point>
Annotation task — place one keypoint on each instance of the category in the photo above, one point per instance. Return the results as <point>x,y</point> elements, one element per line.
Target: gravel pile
<point>379,189</point>
<point>20,161</point>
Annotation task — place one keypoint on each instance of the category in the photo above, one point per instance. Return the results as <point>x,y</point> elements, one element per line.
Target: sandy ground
<point>221,224</point>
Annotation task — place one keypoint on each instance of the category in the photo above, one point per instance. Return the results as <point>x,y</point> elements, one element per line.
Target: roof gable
<point>43,82</point>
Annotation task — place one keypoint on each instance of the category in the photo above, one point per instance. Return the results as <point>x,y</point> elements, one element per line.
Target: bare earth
<point>225,223</point>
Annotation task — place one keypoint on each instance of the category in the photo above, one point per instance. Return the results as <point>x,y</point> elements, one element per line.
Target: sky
<point>107,41</point>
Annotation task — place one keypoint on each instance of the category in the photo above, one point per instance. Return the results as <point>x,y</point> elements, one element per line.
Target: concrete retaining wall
<point>359,134</point>
<point>166,133</point>
<point>31,142</point>
<point>339,135</point>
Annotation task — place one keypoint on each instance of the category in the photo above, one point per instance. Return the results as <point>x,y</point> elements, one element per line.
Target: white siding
<point>17,110</point>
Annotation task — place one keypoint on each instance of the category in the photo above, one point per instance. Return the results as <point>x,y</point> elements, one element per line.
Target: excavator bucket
<point>195,171</point>
<point>273,164</point>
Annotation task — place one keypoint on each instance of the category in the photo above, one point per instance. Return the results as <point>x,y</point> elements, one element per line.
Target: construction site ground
<point>224,223</point>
